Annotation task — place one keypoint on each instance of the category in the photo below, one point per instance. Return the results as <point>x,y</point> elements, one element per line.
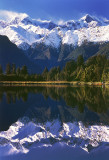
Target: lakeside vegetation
<point>95,69</point>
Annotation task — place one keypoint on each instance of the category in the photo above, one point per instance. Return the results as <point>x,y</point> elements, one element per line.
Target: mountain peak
<point>88,18</point>
<point>19,18</point>
<point>23,31</point>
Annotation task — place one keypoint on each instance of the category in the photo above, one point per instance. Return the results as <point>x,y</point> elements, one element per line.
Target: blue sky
<point>57,9</point>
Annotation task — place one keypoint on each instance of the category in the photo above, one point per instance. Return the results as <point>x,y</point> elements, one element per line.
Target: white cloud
<point>40,20</point>
<point>9,15</point>
<point>61,22</point>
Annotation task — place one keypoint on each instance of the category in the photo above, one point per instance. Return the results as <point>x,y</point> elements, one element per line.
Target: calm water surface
<point>54,122</point>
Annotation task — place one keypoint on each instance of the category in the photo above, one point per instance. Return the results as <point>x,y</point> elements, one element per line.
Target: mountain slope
<point>10,53</point>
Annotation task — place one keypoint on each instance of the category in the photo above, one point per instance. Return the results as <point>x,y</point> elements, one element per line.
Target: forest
<point>95,69</point>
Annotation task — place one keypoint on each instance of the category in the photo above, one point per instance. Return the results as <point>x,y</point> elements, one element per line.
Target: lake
<point>60,122</point>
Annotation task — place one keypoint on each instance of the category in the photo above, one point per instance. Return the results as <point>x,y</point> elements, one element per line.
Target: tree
<point>105,74</point>
<point>8,69</point>
<point>24,70</point>
<point>1,71</point>
<point>13,69</point>
<point>45,73</point>
<point>81,74</point>
<point>89,73</point>
<point>69,68</point>
<point>58,73</point>
<point>53,74</point>
<point>80,60</point>
<point>18,71</point>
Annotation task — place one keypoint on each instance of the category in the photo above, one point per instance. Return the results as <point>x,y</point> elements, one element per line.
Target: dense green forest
<point>95,68</point>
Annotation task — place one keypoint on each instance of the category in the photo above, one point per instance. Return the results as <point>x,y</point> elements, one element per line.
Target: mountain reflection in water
<point>54,123</point>
<point>87,104</point>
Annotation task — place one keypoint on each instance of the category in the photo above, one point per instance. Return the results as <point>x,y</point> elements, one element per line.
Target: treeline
<point>95,68</point>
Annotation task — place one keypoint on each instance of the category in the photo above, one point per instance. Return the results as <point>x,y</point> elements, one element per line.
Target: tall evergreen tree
<point>80,60</point>
<point>105,74</point>
<point>8,69</point>
<point>1,71</point>
<point>18,71</point>
<point>45,73</point>
<point>13,69</point>
<point>24,70</point>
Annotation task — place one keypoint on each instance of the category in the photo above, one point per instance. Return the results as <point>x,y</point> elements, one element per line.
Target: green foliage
<point>105,74</point>
<point>70,67</point>
<point>95,68</point>
<point>8,69</point>
<point>53,74</point>
<point>80,60</point>
<point>13,69</point>
<point>18,71</point>
<point>81,74</point>
<point>45,73</point>
<point>24,70</point>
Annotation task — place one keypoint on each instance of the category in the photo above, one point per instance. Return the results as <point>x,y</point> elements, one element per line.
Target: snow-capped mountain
<point>24,31</point>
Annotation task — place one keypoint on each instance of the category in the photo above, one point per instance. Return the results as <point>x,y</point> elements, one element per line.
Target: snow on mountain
<point>52,38</point>
<point>24,133</point>
<point>24,31</point>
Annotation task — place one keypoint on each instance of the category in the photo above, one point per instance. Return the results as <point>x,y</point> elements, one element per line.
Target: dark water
<point>65,104</point>
<point>87,104</point>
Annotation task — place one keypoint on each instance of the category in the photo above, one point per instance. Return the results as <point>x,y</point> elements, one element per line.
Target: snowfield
<point>24,31</point>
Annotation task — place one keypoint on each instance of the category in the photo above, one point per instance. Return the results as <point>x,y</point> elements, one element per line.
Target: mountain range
<point>46,43</point>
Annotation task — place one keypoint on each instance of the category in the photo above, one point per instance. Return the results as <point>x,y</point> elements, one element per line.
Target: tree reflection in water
<point>96,98</point>
<point>68,103</point>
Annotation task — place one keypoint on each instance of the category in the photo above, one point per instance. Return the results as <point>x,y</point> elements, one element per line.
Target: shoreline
<point>78,83</point>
